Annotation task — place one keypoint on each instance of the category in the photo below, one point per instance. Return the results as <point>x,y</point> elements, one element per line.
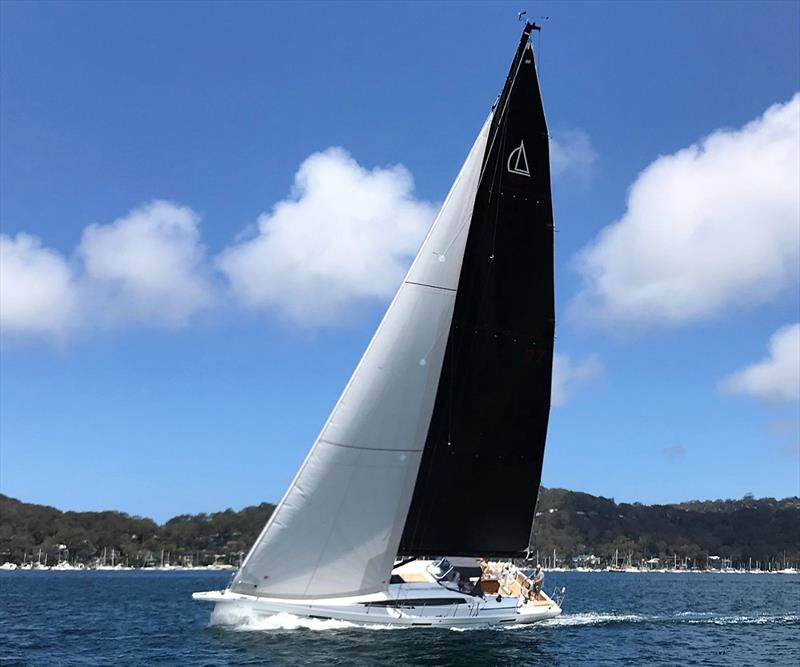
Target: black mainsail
<point>478,481</point>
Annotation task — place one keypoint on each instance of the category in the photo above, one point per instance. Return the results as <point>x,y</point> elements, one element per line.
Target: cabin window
<point>417,602</point>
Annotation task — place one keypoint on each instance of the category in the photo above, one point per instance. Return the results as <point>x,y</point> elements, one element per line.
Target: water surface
<point>149,618</point>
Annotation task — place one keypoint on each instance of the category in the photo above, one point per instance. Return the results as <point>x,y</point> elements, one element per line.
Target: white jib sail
<point>337,529</point>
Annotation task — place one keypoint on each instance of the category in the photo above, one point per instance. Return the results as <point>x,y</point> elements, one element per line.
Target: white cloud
<point>145,268</point>
<point>775,379</point>
<point>569,374</point>
<point>343,236</point>
<point>148,266</point>
<point>37,287</point>
<point>572,152</point>
<point>712,226</point>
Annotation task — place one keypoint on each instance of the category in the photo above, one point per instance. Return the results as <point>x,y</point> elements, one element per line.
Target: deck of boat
<point>496,578</point>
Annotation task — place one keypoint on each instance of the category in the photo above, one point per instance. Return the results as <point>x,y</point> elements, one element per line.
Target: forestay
<point>337,529</point>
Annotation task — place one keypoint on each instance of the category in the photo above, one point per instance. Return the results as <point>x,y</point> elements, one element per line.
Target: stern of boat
<point>539,609</point>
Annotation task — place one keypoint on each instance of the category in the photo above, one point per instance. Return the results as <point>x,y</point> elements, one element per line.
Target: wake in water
<point>244,619</point>
<point>287,622</point>
<point>694,618</point>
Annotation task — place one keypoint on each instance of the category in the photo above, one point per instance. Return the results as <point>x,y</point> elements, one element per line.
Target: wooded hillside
<point>580,524</point>
<point>574,524</point>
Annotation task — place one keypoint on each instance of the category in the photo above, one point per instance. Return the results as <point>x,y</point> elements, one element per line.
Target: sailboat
<point>421,488</point>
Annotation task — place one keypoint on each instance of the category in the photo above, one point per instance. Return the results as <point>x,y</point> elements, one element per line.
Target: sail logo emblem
<point>518,161</point>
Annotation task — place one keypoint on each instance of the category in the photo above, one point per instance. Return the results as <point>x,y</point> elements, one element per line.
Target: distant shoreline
<point>231,568</point>
<point>572,530</point>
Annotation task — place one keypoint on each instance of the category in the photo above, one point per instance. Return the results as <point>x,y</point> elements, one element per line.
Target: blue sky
<point>162,388</point>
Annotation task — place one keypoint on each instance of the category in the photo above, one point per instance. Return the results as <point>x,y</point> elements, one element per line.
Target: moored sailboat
<point>422,485</point>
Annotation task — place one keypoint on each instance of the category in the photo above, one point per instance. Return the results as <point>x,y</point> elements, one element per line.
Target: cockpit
<point>457,574</point>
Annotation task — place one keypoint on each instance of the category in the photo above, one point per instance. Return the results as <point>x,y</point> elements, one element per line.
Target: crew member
<point>538,581</point>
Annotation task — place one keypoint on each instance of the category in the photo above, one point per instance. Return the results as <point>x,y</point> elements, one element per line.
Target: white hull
<point>414,604</point>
